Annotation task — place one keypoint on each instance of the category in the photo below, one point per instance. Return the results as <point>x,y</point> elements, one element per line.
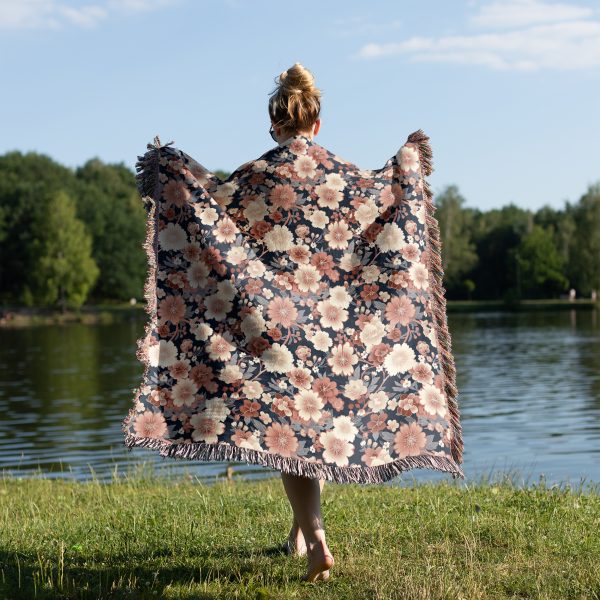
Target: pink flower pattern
<point>294,310</point>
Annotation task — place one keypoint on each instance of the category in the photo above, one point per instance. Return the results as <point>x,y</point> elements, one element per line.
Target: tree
<point>495,233</point>
<point>24,179</point>
<point>110,206</point>
<point>585,243</point>
<point>65,270</point>
<point>540,266</point>
<point>458,251</point>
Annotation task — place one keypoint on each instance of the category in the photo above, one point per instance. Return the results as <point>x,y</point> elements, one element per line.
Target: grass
<point>151,536</point>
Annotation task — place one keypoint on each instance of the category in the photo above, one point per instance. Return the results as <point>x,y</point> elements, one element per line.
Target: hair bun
<point>295,103</point>
<point>297,80</point>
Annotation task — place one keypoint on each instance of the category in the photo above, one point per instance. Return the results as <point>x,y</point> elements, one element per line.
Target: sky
<point>507,90</point>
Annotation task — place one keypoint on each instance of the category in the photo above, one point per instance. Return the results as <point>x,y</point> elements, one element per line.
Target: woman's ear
<point>317,126</point>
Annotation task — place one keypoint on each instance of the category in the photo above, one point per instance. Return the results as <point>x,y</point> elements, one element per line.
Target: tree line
<point>74,236</point>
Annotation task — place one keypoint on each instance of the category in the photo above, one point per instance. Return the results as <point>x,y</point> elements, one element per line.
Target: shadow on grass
<point>29,575</point>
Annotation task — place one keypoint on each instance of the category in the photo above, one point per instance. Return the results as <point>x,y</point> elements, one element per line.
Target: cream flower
<point>305,166</point>
<point>408,158</point>
<point>163,354</point>
<point>184,392</point>
<point>335,449</point>
<point>321,341</point>
<point>236,255</point>
<point>378,401</point>
<point>339,296</point>
<point>420,275</point>
<point>277,358</point>
<point>256,211</point>
<point>344,428</point>
<point>390,238</point>
<point>197,274</point>
<point>206,213</point>
<point>253,324</point>
<point>372,333</point>
<point>279,238</point>
<point>307,278</point>
<point>355,388</point>
<point>328,197</point>
<point>366,213</point>
<point>172,237</point>
<point>335,180</point>
<point>217,307</point>
<point>433,400</point>
<point>331,315</point>
<point>318,218</point>
<point>230,373</point>
<point>252,389</point>
<point>219,348</point>
<point>338,235</point>
<point>400,359</point>
<point>308,404</point>
<point>342,359</point>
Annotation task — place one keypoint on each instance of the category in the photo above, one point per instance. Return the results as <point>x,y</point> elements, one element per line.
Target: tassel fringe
<point>149,188</point>
<point>436,274</point>
<point>295,466</point>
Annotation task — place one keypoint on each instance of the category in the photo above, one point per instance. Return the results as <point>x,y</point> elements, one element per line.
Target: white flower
<point>390,238</point>
<point>335,181</point>
<point>279,238</point>
<point>163,354</point>
<point>400,359</point>
<point>277,358</point>
<point>172,237</point>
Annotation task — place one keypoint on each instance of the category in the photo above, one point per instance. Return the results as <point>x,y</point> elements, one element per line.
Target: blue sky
<point>507,90</point>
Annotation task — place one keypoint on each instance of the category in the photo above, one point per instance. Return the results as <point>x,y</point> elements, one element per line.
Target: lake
<point>529,398</point>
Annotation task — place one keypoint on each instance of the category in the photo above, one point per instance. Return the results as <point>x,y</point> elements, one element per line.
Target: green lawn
<point>147,536</point>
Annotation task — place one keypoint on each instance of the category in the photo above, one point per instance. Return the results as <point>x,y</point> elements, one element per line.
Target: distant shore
<point>90,314</point>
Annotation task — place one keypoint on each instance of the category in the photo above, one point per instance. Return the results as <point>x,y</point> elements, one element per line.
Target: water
<point>529,397</point>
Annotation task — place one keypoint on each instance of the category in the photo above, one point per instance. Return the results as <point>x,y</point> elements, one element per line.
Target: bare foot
<point>295,543</point>
<point>320,560</point>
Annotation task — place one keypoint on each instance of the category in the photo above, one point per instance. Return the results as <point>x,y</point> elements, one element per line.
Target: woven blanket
<point>296,315</point>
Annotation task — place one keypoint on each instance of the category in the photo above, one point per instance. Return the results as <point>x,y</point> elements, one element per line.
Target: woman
<point>298,316</point>
<point>294,108</point>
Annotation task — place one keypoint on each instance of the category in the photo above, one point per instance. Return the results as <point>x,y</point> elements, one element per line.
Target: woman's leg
<point>296,542</point>
<point>304,494</point>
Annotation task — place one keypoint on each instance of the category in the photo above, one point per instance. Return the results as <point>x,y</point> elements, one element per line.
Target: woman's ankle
<point>316,540</point>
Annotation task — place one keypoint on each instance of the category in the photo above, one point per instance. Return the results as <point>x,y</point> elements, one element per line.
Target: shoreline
<point>102,314</point>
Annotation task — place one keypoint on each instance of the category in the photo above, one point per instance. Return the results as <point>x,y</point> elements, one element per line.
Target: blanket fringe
<point>148,188</point>
<point>147,167</point>
<point>436,274</point>
<point>296,466</point>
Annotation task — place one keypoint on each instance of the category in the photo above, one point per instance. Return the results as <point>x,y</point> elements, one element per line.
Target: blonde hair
<point>295,103</point>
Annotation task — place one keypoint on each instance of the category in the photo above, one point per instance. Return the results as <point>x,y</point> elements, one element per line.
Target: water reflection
<point>529,398</point>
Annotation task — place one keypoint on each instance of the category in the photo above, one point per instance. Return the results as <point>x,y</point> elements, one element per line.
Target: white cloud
<point>551,36</point>
<point>57,14</point>
<point>519,13</point>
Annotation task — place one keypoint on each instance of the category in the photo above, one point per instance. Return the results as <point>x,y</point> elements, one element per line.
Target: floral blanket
<point>297,317</point>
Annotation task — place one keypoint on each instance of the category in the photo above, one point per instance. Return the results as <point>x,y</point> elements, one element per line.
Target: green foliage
<point>64,269</point>
<point>508,253</point>
<point>110,206</point>
<point>458,249</point>
<point>222,175</point>
<point>585,244</point>
<point>24,180</point>
<point>539,264</point>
